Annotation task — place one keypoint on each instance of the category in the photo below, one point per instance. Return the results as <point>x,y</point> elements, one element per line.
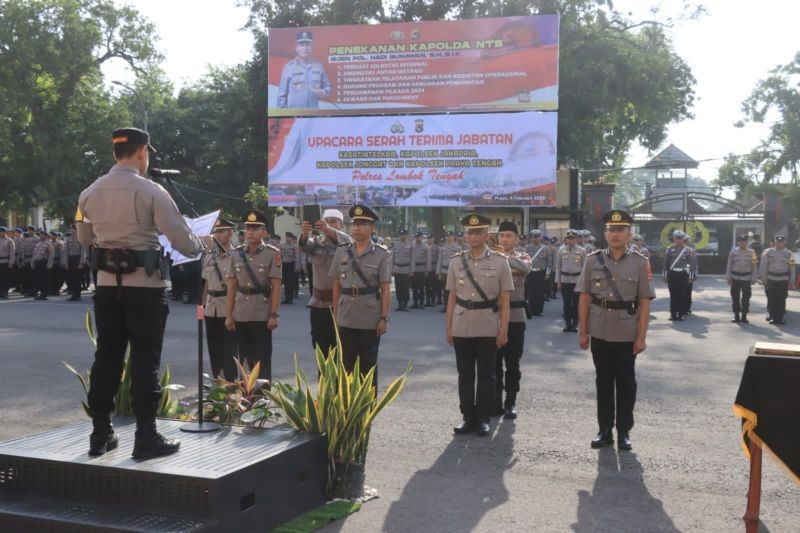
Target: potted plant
<point>344,407</point>
<point>242,401</point>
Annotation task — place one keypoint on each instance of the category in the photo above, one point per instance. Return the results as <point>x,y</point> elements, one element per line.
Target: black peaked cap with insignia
<point>475,221</point>
<point>508,226</point>
<point>254,218</point>
<point>222,224</point>
<point>362,212</point>
<point>132,136</point>
<point>617,217</point>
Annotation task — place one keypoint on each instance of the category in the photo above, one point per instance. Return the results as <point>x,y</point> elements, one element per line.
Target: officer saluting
<point>615,292</point>
<point>362,273</point>
<point>254,294</point>
<point>680,264</point>
<point>741,273</point>
<point>221,343</point>
<point>778,275</point>
<point>478,309</point>
<point>303,80</point>
<point>122,214</point>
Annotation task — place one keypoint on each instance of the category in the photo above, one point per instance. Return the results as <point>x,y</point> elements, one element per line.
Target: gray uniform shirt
<point>27,249</point>
<point>288,253</point>
<point>297,80</point>
<point>362,311</point>
<point>686,261</point>
<point>569,263</point>
<point>43,250</point>
<point>520,264</point>
<point>420,258</point>
<point>493,274</point>
<point>541,257</point>
<point>435,252</point>
<point>19,244</point>
<point>215,277</point>
<point>265,263</point>
<point>320,249</point>
<point>446,253</point>
<point>633,278</point>
<point>7,248</point>
<point>401,257</point>
<point>125,210</point>
<point>742,265</point>
<point>777,265</point>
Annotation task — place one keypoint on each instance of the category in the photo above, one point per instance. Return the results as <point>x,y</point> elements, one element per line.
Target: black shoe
<point>736,318</point>
<point>567,328</point>
<point>679,318</point>
<point>510,413</point>
<point>102,442</point>
<point>744,319</point>
<point>483,429</point>
<point>74,299</point>
<point>150,445</point>
<point>672,318</point>
<point>499,410</point>
<point>464,427</point>
<point>624,442</point>
<point>603,439</point>
<point>776,322</point>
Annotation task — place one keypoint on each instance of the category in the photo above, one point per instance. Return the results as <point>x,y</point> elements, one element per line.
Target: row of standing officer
<point>420,268</point>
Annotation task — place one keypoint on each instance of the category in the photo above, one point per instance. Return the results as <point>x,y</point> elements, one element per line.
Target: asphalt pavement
<point>687,471</point>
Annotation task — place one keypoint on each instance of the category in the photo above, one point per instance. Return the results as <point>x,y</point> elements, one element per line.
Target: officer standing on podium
<point>478,310</point>
<point>122,214</point>
<point>614,310</point>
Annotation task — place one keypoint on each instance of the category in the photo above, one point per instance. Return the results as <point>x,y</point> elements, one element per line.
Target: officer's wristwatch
<point>385,319</point>
<point>274,315</point>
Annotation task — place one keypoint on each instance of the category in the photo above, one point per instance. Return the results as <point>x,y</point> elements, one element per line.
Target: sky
<point>730,48</point>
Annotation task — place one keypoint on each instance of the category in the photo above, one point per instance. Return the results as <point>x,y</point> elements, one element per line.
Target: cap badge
<point>473,221</point>
<point>252,217</point>
<point>358,211</point>
<point>616,216</point>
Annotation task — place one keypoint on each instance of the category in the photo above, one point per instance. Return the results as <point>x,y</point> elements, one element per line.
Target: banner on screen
<point>487,64</point>
<point>420,160</point>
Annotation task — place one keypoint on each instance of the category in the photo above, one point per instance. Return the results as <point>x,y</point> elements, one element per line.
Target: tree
<point>776,100</point>
<point>57,117</point>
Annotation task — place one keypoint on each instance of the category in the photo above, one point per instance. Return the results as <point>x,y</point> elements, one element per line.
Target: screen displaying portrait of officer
<point>303,80</point>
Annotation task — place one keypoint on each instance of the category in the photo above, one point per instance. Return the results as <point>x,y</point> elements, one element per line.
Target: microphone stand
<point>200,426</point>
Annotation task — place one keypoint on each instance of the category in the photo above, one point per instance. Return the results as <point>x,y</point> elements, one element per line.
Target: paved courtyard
<point>686,472</point>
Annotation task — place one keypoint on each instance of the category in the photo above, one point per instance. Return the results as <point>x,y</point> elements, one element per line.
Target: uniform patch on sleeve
<point>649,271</point>
<point>79,215</point>
<point>278,259</point>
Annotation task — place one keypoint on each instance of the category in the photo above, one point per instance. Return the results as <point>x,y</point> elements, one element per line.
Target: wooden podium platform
<point>237,479</point>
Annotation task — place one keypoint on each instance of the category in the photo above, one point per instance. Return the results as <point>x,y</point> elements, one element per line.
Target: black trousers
<point>471,353</point>
<point>222,348</point>
<point>27,279</point>
<point>361,344</point>
<point>678,284</point>
<point>41,276</point>
<point>290,284</point>
<point>535,286</point>
<point>777,292</point>
<point>570,298</point>
<point>138,317</point>
<point>255,346</point>
<point>5,279</point>
<point>432,288</point>
<point>74,275</point>
<point>418,286</point>
<point>323,332</point>
<point>402,285</point>
<point>740,295</point>
<point>688,301</point>
<point>510,354</point>
<point>614,363</point>
<point>57,276</point>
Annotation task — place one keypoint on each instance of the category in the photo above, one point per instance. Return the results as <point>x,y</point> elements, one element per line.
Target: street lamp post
<point>138,97</point>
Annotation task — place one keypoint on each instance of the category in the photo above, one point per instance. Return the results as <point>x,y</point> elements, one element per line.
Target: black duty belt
<point>469,304</point>
<point>421,264</point>
<point>358,291</point>
<point>519,304</point>
<point>606,304</point>
<point>570,273</point>
<point>741,273</point>
<point>250,291</point>
<point>777,273</point>
<point>401,264</point>
<point>218,293</point>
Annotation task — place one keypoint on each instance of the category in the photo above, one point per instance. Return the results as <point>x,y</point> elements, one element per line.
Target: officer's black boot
<point>744,318</point>
<point>567,325</point>
<point>736,318</point>
<point>149,443</point>
<point>510,411</point>
<point>604,438</point>
<point>103,438</point>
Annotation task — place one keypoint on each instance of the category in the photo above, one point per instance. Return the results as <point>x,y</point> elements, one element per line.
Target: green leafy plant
<point>344,407</point>
<point>242,401</point>
<point>170,405</point>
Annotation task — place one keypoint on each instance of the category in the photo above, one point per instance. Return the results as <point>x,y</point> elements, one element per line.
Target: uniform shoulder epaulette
<point>382,246</point>
<point>640,254</point>
<point>594,252</point>
<point>346,244</point>
<point>272,247</point>
<point>462,252</point>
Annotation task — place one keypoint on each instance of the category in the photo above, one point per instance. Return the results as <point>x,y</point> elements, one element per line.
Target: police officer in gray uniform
<point>446,252</point>
<point>74,259</point>
<point>478,310</point>
<point>420,266</point>
<point>741,273</point>
<point>680,266</point>
<point>615,292</point>
<point>511,353</point>
<point>432,290</point>
<point>362,274</point>
<point>778,275</point>
<point>253,299</point>
<point>303,80</point>
<point>541,266</point>
<point>289,262</point>
<point>122,214</point>
<point>402,252</point>
<point>7,258</point>
<point>222,346</point>
<point>320,249</point>
<point>42,262</point>
<point>569,262</point>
